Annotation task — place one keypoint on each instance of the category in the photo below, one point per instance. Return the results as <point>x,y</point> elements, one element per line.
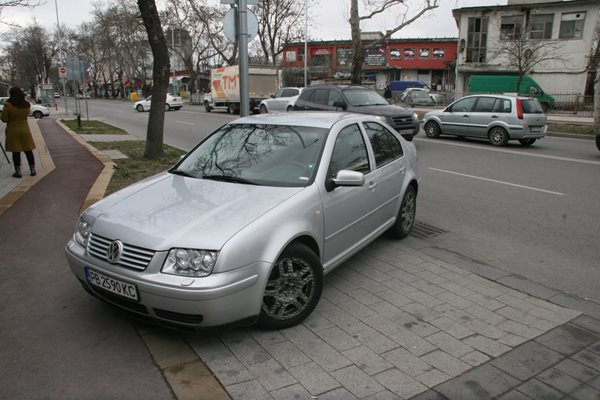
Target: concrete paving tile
<point>244,347</point>
<point>368,270</point>
<point>338,339</point>
<point>449,344</point>
<point>429,395</point>
<point>527,286</point>
<point>229,371</point>
<point>595,382</point>
<point>486,345</point>
<point>516,328</point>
<point>287,354</point>
<point>294,392</point>
<point>357,381</point>
<point>575,303</point>
<point>188,380</point>
<point>526,318</point>
<point>339,282</point>
<point>367,360</point>
<point>456,300</point>
<point>452,327</point>
<point>422,312</point>
<point>339,317</point>
<point>512,340</point>
<point>428,287</point>
<point>381,323</point>
<point>587,358</point>
<point>424,299</point>
<point>539,390</point>
<point>586,392</point>
<point>356,308</point>
<point>266,338</point>
<point>411,342</point>
<point>432,378</point>
<point>314,378</point>
<point>515,395</point>
<point>594,348</point>
<point>400,383</point>
<point>484,382</point>
<point>558,380</point>
<point>315,321</point>
<point>271,375</point>
<point>485,315</point>
<point>485,329</point>
<point>316,348</point>
<point>567,339</point>
<point>475,358</point>
<point>558,317</point>
<point>446,363</point>
<point>337,394</point>
<point>334,295</point>
<point>169,349</point>
<point>407,362</point>
<point>587,322</point>
<point>515,302</point>
<point>383,395</point>
<point>432,277</point>
<point>208,347</point>
<point>577,370</point>
<point>393,297</point>
<point>527,360</point>
<point>374,340</point>
<point>364,297</point>
<point>251,390</point>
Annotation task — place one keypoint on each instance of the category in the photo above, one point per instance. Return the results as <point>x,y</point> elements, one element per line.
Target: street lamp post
<point>62,56</point>
<point>305,43</point>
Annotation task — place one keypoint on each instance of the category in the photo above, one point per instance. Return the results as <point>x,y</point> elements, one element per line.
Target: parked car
<point>283,100</point>
<point>359,99</point>
<point>417,98</point>
<point>173,103</point>
<point>498,118</point>
<point>436,97</point>
<point>246,225</point>
<point>36,111</point>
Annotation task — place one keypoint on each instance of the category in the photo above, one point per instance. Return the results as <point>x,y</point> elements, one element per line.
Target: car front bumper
<point>217,299</point>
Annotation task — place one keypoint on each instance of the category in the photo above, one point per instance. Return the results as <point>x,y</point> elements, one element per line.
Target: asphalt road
<point>532,211</point>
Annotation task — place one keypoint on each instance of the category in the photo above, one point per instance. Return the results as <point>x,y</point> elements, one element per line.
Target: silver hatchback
<point>244,228</point>
<point>498,118</point>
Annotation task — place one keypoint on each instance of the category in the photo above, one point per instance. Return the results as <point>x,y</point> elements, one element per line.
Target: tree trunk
<point>358,57</point>
<point>160,70</point>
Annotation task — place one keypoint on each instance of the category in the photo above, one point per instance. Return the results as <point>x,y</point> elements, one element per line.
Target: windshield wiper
<point>225,178</point>
<point>182,173</point>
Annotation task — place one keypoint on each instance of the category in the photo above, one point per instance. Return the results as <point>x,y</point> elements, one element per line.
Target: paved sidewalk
<point>400,320</point>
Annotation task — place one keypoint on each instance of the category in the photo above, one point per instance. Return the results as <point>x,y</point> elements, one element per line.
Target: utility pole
<point>62,56</point>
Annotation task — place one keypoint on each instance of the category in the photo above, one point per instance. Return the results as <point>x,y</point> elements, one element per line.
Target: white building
<point>567,30</point>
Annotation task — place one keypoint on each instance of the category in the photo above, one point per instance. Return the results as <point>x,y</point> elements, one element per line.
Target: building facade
<point>562,34</point>
<point>429,60</point>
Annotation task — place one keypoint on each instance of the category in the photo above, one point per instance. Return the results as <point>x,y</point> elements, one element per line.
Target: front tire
<point>231,108</point>
<point>37,114</point>
<point>140,108</point>
<point>498,136</point>
<point>432,129</point>
<point>290,108</point>
<point>263,109</point>
<point>406,215</point>
<point>167,107</point>
<point>293,289</point>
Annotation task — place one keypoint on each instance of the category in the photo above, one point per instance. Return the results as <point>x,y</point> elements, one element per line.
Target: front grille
<point>178,317</point>
<point>131,257</point>
<point>403,122</point>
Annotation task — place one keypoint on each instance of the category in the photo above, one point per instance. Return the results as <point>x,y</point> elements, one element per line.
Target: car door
<point>391,166</point>
<point>277,103</point>
<point>348,210</point>
<point>455,120</point>
<point>482,116</point>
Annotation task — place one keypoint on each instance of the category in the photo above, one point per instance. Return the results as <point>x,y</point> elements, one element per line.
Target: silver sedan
<point>244,228</point>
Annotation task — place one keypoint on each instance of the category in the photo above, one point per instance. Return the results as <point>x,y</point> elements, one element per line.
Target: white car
<point>173,103</point>
<point>283,100</point>
<point>37,111</point>
<point>436,97</point>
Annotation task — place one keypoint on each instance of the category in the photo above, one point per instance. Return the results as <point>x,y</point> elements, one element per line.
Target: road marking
<point>496,181</point>
<point>521,153</point>
<point>185,123</point>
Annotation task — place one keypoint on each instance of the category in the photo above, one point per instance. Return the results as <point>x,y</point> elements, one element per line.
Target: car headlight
<point>415,117</point>
<point>82,232</point>
<point>190,262</point>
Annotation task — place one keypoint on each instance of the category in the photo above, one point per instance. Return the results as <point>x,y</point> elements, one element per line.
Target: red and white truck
<point>225,88</point>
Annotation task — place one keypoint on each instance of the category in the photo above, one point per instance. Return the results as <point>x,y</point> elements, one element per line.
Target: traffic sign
<point>62,72</point>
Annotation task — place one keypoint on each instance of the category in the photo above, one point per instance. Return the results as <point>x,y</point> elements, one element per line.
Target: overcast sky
<point>329,18</point>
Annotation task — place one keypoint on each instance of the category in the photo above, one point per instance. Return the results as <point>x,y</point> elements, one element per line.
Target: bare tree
<point>17,3</point>
<point>160,69</point>
<point>375,8</point>
<point>516,51</point>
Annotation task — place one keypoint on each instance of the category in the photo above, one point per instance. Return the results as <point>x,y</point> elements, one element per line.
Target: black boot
<point>18,173</point>
<point>32,169</point>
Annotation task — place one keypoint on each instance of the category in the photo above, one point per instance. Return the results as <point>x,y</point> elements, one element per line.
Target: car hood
<point>386,110</point>
<point>433,113</point>
<point>168,211</point>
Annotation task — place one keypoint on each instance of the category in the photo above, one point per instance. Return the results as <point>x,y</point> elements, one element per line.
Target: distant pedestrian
<point>18,135</point>
<point>387,93</point>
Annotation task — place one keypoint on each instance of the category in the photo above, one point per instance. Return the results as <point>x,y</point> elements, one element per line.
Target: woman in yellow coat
<point>18,135</point>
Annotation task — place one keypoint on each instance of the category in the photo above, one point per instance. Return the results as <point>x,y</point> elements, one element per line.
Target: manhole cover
<point>422,230</point>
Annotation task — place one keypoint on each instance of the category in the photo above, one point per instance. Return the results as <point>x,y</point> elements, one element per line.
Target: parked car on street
<point>358,99</point>
<point>417,98</point>
<point>498,118</point>
<point>283,100</point>
<point>173,103</point>
<point>36,111</point>
<point>436,97</point>
<point>244,228</point>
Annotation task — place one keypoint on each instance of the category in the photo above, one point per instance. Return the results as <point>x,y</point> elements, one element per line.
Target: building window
<point>424,53</point>
<point>409,54</point>
<point>320,57</point>
<point>301,54</point>
<point>511,27</point>
<point>541,26</point>
<point>438,53</point>
<point>290,56</point>
<point>571,25</point>
<point>395,54</point>
<point>344,57</point>
<point>477,39</point>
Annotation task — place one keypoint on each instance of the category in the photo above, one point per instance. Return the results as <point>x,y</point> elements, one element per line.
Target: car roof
<point>343,87</point>
<point>502,96</point>
<point>318,119</point>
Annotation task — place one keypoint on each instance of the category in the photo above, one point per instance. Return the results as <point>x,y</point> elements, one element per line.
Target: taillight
<point>519,109</point>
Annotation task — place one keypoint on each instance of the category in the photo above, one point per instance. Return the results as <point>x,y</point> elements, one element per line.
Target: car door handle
<point>372,185</point>
<point>494,116</point>
<point>466,116</point>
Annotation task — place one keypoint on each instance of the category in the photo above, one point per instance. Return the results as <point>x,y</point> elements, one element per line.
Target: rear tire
<point>263,109</point>
<point>231,108</point>
<point>167,107</point>
<point>290,108</point>
<point>37,114</point>
<point>293,289</point>
<point>527,142</point>
<point>498,136</point>
<point>207,107</point>
<point>432,129</point>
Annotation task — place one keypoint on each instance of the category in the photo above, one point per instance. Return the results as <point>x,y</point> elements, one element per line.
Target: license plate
<point>536,128</point>
<point>112,285</point>
<point>406,131</point>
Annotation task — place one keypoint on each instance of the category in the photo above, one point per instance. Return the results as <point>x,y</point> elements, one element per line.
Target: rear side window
<point>531,106</point>
<point>385,145</point>
<point>502,106</point>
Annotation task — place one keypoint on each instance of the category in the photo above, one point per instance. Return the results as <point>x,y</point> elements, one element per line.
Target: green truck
<point>508,84</point>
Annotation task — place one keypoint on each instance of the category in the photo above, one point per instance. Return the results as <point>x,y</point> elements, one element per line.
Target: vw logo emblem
<point>113,252</point>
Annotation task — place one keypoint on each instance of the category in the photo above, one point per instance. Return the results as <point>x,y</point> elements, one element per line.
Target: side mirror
<point>340,104</point>
<point>349,178</point>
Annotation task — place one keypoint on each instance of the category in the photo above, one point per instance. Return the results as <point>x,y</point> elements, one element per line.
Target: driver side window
<point>350,152</point>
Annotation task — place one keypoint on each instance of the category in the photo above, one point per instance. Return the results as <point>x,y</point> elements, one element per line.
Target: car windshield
<point>360,98</point>
<point>269,155</point>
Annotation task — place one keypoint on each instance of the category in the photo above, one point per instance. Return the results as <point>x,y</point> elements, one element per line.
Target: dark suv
<point>358,99</point>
